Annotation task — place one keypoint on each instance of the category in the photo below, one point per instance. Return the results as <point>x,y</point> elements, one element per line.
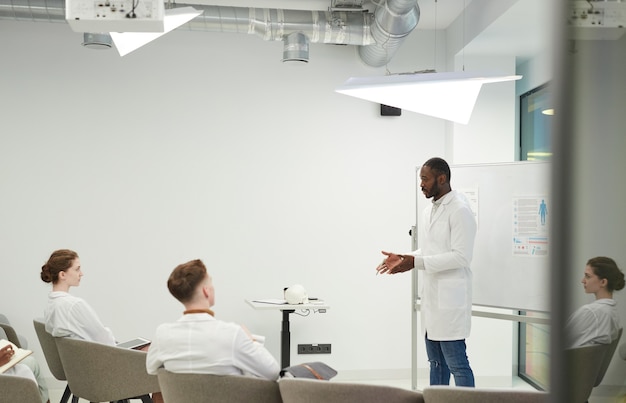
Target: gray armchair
<point>454,394</point>
<point>297,390</point>
<point>51,354</point>
<point>207,388</point>
<point>608,357</point>
<point>102,373</point>
<point>17,389</point>
<point>12,336</point>
<point>585,362</point>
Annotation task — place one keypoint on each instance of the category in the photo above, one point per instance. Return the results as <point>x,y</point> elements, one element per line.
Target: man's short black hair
<point>440,166</point>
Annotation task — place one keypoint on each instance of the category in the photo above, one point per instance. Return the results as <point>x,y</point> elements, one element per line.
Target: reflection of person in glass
<point>597,322</point>
<point>447,234</point>
<point>543,211</point>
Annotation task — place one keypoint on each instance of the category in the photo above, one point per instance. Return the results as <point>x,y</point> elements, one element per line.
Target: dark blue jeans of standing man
<point>447,357</point>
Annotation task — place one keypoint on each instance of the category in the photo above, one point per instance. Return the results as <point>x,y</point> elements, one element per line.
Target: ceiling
<point>517,28</point>
<point>521,30</point>
<point>525,29</point>
<point>445,11</point>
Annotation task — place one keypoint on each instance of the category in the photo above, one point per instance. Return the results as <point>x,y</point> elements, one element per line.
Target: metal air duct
<point>377,34</point>
<point>393,22</point>
<point>296,48</point>
<point>97,41</point>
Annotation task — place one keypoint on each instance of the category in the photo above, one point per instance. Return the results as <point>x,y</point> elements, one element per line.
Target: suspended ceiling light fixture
<point>449,96</point>
<point>126,42</point>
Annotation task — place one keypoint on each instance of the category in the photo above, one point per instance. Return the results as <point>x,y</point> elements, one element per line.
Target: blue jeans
<point>447,357</point>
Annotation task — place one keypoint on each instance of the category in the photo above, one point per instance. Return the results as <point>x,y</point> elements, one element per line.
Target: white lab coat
<point>594,323</point>
<point>199,343</point>
<point>447,244</point>
<point>70,316</point>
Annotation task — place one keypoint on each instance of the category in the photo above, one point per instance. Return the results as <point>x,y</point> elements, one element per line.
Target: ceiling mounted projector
<point>597,20</point>
<point>115,15</point>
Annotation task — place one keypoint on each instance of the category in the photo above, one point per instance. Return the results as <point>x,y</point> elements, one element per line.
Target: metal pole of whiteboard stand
<point>414,331</point>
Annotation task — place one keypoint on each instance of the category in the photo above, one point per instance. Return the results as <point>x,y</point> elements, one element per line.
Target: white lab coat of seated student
<point>594,323</point>
<point>70,316</point>
<point>199,343</point>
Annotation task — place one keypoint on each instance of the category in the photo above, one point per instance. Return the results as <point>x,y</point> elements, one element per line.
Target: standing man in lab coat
<point>447,243</point>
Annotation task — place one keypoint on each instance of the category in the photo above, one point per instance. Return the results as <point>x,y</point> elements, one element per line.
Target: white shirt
<point>594,323</point>
<point>199,343</point>
<point>70,316</point>
<point>447,245</point>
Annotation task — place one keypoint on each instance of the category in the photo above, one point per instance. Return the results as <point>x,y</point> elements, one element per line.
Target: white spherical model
<point>296,294</point>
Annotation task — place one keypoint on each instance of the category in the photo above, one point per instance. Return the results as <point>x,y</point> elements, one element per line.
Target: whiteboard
<point>512,246</point>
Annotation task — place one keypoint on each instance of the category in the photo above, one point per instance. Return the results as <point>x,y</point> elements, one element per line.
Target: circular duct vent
<point>97,41</point>
<point>296,48</point>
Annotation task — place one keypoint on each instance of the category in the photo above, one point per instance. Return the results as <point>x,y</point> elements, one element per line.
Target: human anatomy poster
<point>530,226</point>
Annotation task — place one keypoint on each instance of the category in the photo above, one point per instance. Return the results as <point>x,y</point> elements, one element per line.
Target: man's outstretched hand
<point>394,263</point>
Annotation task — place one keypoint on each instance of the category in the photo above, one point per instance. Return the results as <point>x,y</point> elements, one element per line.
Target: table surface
<point>256,304</point>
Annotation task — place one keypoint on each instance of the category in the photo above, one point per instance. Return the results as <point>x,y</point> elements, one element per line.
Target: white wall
<point>205,146</point>
<point>488,136</point>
